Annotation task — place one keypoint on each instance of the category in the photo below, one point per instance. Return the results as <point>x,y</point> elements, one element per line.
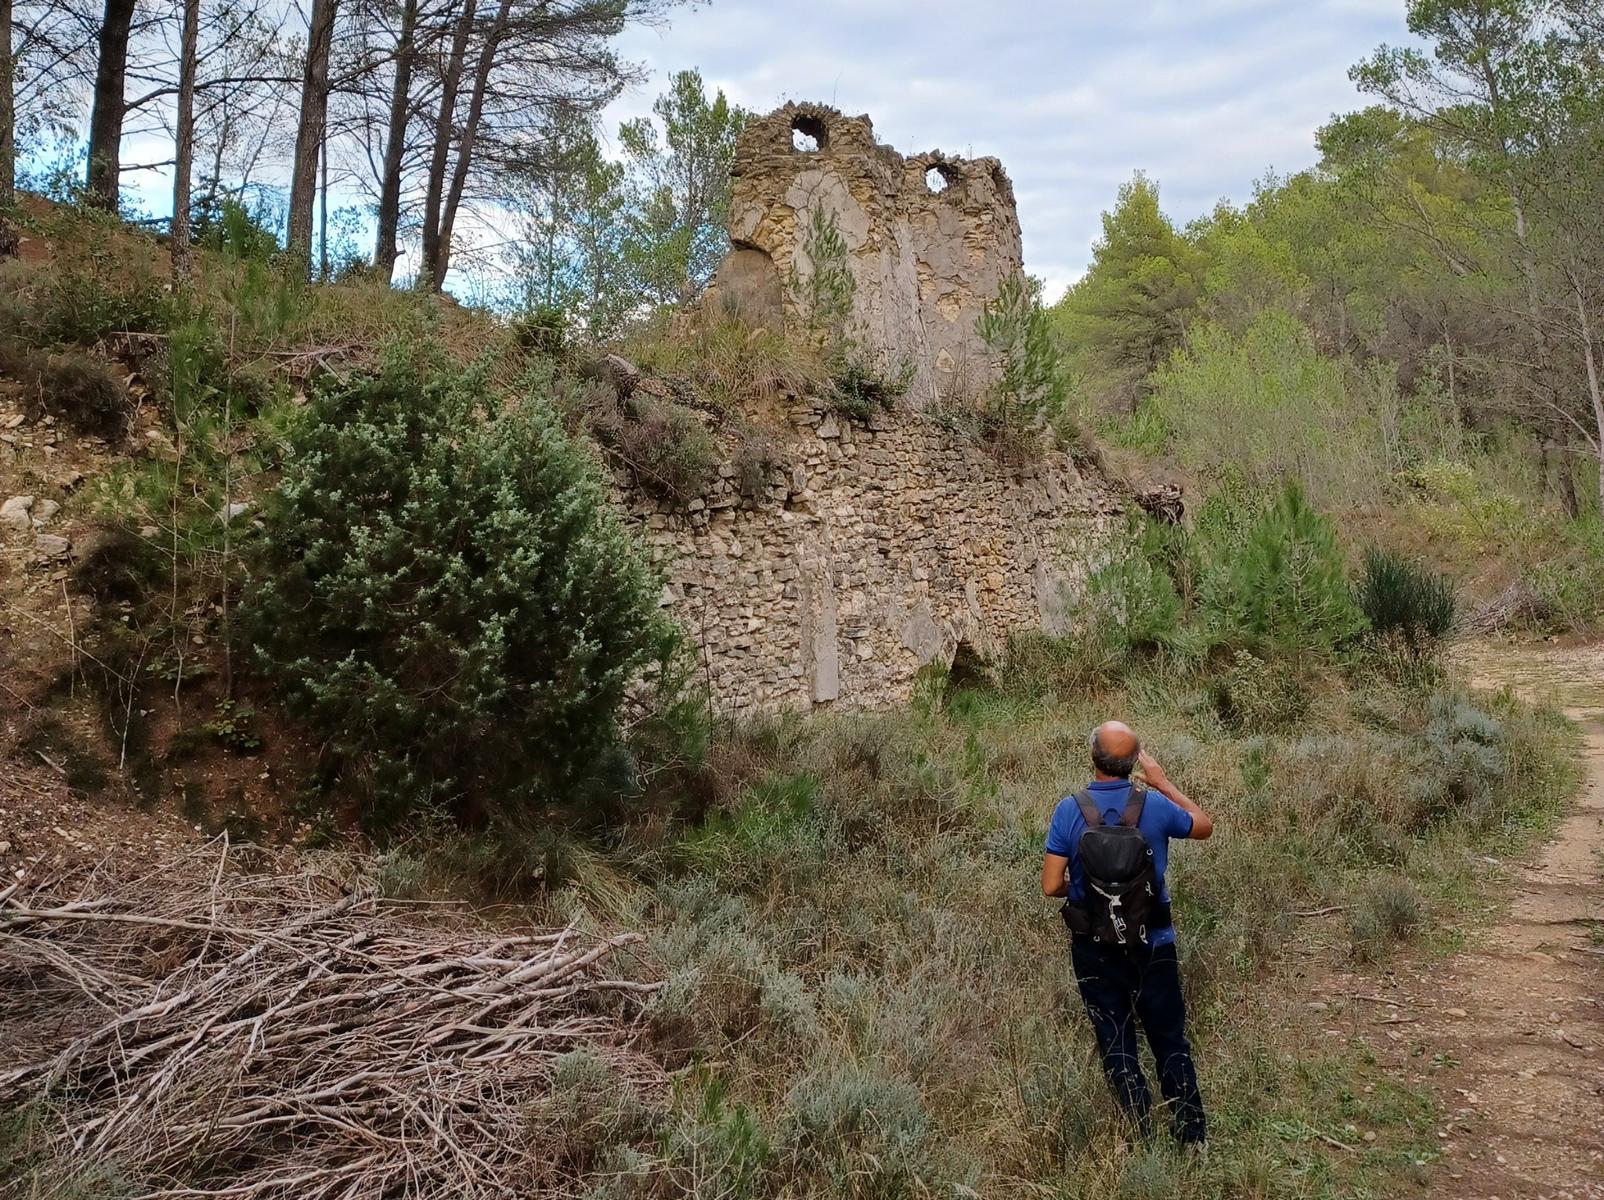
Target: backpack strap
<point>1133,807</point>
<point>1089,811</point>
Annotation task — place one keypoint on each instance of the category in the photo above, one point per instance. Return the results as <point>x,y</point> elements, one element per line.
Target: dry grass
<point>732,366</point>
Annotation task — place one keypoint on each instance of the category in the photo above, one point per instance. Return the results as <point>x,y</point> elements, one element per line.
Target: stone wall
<point>868,552</point>
<point>924,260</point>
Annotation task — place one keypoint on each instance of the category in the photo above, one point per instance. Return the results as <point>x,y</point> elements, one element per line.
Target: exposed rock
<point>237,509</point>
<point>15,514</point>
<point>52,546</point>
<point>930,239</point>
<point>43,511</point>
<point>160,444</point>
<point>616,370</point>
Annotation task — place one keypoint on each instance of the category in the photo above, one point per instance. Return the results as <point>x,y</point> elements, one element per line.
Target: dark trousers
<point>1122,986</point>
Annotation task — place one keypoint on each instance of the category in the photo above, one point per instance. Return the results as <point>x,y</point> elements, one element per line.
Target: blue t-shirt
<point>1162,819</point>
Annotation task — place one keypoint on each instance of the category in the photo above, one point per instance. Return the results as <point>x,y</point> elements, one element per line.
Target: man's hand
<point>1202,825</point>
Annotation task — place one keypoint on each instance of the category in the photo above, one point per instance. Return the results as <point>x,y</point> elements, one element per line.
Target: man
<point>1127,970</point>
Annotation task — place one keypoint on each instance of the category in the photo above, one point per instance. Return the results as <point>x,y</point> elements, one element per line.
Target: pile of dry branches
<point>1517,606</point>
<point>210,1030</point>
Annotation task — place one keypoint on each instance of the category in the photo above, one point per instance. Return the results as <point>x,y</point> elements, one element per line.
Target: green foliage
<point>1034,386</point>
<point>1455,501</point>
<point>726,363</point>
<point>231,229</point>
<point>91,288</point>
<point>1131,599</point>
<point>853,1132</point>
<point>681,188</point>
<point>1402,599</point>
<point>603,236</point>
<point>542,330</point>
<point>1287,593</point>
<point>1255,696</point>
<point>859,388</point>
<point>772,829</point>
<point>570,262</point>
<point>443,593</point>
<point>232,725</point>
<point>663,445</point>
<point>1255,409</point>
<point>826,288</point>
<point>592,1109</point>
<point>1132,307</point>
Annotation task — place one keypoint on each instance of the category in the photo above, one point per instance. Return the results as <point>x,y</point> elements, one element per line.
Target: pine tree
<point>1288,592</point>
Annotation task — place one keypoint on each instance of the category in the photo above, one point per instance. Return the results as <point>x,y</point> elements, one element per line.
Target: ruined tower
<point>929,240</point>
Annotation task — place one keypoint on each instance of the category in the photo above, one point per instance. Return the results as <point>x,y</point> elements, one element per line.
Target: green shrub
<point>853,1132</point>
<point>712,1147</point>
<point>1131,599</point>
<point>724,985</point>
<point>1402,599</point>
<point>729,364</point>
<point>542,329</point>
<point>1267,405</point>
<point>445,596</point>
<point>1040,664</point>
<point>100,280</point>
<point>1385,913</point>
<point>229,227</point>
<point>1287,591</point>
<point>1254,696</point>
<point>859,387</point>
<point>663,446</point>
<point>773,828</point>
<point>591,1110</point>
<point>1034,385</point>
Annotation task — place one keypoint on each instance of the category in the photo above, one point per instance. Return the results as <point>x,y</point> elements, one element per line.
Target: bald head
<point>1115,749</point>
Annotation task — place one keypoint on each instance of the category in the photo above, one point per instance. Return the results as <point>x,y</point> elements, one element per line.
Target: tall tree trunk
<point>323,212</point>
<point>395,144</point>
<point>8,134</point>
<point>106,114</point>
<point>184,149</point>
<point>450,85</point>
<point>470,131</point>
<point>1595,391</point>
<point>309,130</point>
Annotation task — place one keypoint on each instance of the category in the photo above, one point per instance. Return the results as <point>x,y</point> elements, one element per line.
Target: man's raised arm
<point>1202,823</point>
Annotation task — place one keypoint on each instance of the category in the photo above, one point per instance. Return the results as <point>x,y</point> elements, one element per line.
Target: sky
<point>1073,96</point>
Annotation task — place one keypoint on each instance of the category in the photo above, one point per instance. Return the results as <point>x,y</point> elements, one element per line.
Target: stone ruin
<point>930,239</point>
<point>861,551</point>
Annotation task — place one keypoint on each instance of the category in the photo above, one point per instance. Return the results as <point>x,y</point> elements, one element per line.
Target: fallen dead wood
<point>207,1030</point>
<point>1518,606</point>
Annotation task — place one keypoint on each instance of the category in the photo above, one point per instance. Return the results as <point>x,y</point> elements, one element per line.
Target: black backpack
<point>1122,905</point>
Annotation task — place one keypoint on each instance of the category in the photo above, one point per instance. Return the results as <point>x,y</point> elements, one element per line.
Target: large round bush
<point>444,594</point>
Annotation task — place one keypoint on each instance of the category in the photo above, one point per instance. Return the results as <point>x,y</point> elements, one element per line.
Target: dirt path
<point>1510,1031</point>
